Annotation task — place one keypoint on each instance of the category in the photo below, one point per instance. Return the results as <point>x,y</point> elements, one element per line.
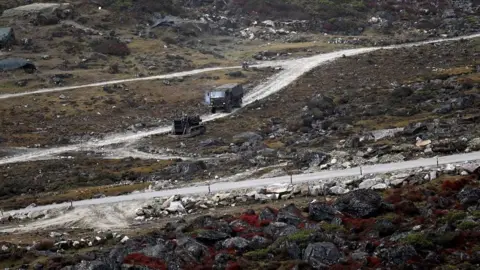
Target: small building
<point>10,64</point>
<point>7,37</point>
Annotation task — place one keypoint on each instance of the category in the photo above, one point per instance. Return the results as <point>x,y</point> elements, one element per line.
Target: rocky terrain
<point>428,219</point>
<point>381,107</point>
<point>344,114</point>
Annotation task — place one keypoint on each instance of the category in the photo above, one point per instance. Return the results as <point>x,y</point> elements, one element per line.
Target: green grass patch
<point>418,240</point>
<point>467,225</point>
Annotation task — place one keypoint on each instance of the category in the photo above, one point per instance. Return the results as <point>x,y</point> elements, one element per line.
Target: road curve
<point>293,69</point>
<point>251,183</point>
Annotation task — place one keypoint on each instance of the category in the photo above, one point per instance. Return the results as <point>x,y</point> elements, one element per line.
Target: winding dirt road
<point>293,69</point>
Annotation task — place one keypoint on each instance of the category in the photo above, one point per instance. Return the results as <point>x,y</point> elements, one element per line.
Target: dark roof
<point>227,86</point>
<point>15,63</point>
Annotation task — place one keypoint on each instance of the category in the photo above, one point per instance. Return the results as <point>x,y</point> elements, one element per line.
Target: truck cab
<point>226,97</point>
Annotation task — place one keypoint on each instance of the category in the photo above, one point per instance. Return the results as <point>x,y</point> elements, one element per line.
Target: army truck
<point>187,126</point>
<point>226,97</point>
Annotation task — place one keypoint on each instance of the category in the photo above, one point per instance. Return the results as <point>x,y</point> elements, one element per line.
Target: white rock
<point>168,201</point>
<point>175,207</point>
<point>367,184</point>
<point>55,234</point>
<point>449,168</point>
<point>220,197</point>
<point>139,218</point>
<point>139,212</point>
<point>417,228</point>
<point>98,238</point>
<point>338,190</point>
<point>75,243</point>
<point>4,248</point>
<point>433,175</point>
<point>347,164</point>
<point>124,239</point>
<point>333,161</point>
<point>280,188</point>
<point>464,173</point>
<point>380,186</point>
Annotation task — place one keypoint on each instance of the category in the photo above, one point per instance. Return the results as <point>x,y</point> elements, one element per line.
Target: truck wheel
<point>213,110</point>
<point>228,108</point>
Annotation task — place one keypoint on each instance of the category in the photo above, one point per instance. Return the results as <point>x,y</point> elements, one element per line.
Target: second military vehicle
<point>188,126</point>
<point>226,97</point>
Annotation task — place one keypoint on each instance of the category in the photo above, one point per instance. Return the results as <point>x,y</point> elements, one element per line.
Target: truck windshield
<point>217,94</point>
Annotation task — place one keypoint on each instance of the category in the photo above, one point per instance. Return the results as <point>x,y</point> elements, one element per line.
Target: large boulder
<point>267,214</point>
<point>320,212</point>
<point>237,243</point>
<point>36,8</point>
<point>209,236</point>
<point>311,158</point>
<point>323,103</point>
<point>321,254</point>
<point>279,229</point>
<point>187,169</point>
<point>290,214</point>
<point>190,250</point>
<point>361,203</point>
<point>469,196</point>
<point>398,255</point>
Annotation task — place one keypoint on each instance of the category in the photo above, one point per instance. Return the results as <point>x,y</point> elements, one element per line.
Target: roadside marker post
<point>208,185</point>
<point>361,171</point>
<point>291,179</point>
<point>437,163</point>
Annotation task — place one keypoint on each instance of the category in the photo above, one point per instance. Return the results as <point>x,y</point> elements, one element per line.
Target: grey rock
<point>290,214</point>
<point>469,196</point>
<point>337,190</point>
<point>321,211</point>
<point>259,242</point>
<point>321,254</point>
<point>211,236</point>
<point>360,203</point>
<point>399,255</point>
<point>279,229</point>
<point>237,243</point>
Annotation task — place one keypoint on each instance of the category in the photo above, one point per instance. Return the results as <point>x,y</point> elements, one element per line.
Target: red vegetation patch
<point>439,212</point>
<point>232,266</point>
<point>373,261</point>
<point>419,221</point>
<point>142,260</point>
<point>358,223</point>
<point>415,195</point>
<point>250,219</point>
<point>395,197</point>
<point>455,185</point>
